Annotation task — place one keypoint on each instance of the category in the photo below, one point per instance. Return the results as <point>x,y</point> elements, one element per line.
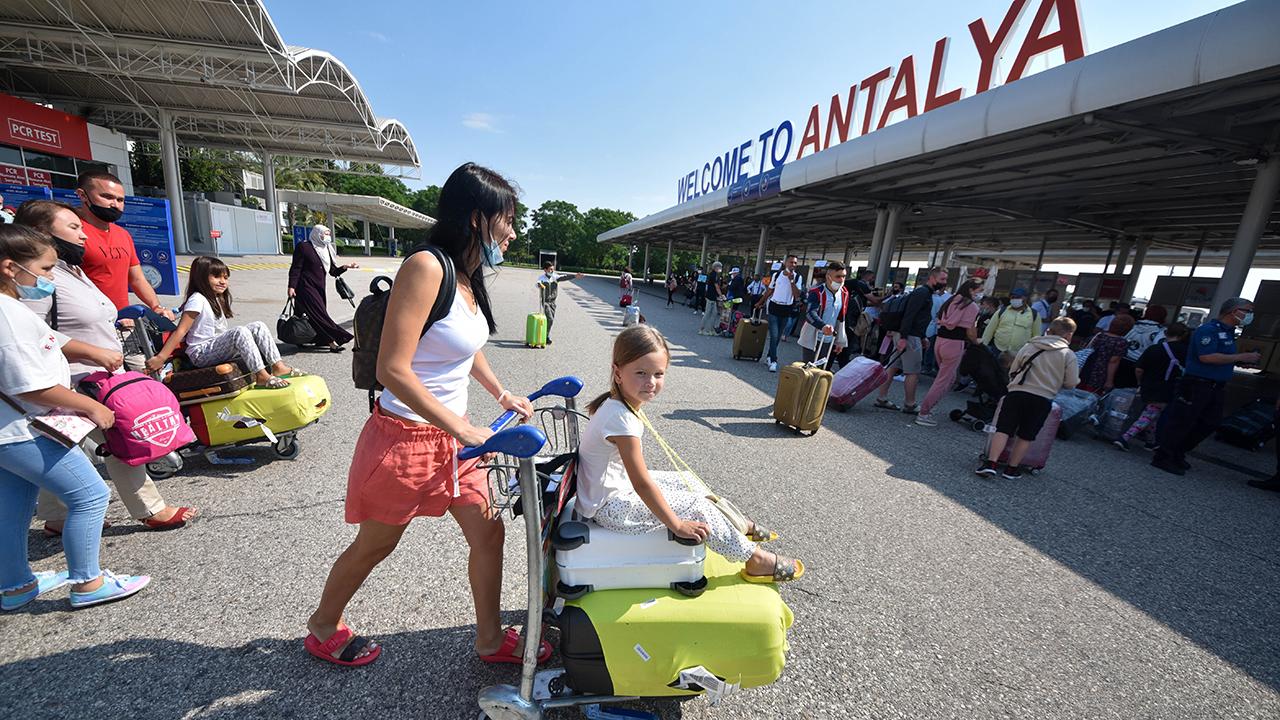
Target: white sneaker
<point>773,366</point>
<point>926,420</point>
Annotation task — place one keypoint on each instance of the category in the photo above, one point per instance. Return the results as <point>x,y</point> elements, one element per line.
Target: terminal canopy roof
<point>1154,138</point>
<point>377,210</point>
<point>217,69</point>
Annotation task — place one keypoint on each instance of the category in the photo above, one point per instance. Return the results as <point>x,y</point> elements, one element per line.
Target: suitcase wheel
<point>691,589</point>
<point>287,448</point>
<point>979,426</point>
<point>956,415</point>
<point>161,470</point>
<point>571,592</point>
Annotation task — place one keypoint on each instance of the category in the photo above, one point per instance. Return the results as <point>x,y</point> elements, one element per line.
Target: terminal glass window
<point>45,169</point>
<point>50,162</point>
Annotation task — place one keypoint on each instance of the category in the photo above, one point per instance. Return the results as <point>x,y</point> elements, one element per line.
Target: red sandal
<point>507,653</point>
<point>324,650</point>
<point>180,519</point>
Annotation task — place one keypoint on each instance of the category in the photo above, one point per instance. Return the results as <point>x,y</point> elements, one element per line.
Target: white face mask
<point>1016,302</point>
<point>977,297</point>
<point>833,287</point>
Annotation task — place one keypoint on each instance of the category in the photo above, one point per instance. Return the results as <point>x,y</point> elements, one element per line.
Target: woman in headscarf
<point>312,260</point>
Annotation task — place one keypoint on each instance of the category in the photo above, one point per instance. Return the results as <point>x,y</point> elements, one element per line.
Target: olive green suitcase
<point>801,399</point>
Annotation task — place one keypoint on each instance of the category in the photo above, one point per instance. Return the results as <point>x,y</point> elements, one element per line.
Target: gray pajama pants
<point>252,343</point>
<point>627,514</point>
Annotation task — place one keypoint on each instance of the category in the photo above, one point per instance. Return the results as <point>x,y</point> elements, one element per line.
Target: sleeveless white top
<point>443,360</point>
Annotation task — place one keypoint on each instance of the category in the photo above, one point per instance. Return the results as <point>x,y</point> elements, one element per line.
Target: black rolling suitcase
<point>1251,426</point>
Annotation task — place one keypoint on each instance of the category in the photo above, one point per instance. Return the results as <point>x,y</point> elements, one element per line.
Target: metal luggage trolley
<point>518,484</point>
<point>146,340</point>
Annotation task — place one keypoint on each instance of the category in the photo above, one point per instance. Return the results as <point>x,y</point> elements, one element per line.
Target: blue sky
<point>607,104</point>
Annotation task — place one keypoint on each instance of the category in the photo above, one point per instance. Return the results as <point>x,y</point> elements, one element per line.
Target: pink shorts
<point>402,470</point>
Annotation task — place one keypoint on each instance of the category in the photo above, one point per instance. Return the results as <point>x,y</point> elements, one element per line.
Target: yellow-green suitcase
<point>243,417</point>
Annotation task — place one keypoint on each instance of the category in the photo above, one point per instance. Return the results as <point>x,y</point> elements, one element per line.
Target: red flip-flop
<point>181,518</point>
<point>324,650</point>
<point>507,653</point>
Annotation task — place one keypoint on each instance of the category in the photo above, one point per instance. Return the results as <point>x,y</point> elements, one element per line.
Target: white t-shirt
<point>601,475</point>
<point>206,326</point>
<point>30,359</point>
<point>783,290</point>
<point>443,360</point>
<point>84,314</point>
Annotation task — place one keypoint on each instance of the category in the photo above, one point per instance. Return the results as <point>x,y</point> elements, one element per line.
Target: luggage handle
<point>831,347</point>
<point>690,542</point>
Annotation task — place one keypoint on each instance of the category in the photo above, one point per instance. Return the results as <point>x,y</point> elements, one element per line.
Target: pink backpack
<point>149,423</point>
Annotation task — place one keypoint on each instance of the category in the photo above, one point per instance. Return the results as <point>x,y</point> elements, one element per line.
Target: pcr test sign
<point>753,168</point>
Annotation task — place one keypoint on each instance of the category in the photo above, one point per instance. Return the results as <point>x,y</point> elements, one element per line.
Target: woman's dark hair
<point>963,293</point>
<point>203,268</point>
<point>22,244</point>
<point>1177,330</point>
<point>470,199</point>
<point>39,214</point>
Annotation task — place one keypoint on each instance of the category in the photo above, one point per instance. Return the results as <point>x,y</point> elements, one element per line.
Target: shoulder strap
<point>1173,360</point>
<point>53,311</point>
<point>448,285</point>
<point>1021,372</point>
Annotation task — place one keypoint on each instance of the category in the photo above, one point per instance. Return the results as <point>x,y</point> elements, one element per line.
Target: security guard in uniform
<point>1197,407</point>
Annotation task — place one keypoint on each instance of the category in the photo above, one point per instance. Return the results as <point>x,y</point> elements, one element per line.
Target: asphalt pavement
<point>1098,589</point>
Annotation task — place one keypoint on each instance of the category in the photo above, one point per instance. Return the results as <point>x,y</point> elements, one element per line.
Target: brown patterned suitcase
<point>200,384</point>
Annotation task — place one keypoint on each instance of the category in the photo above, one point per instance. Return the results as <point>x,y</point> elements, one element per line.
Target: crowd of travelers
<point>65,272</point>
<point>1041,344</point>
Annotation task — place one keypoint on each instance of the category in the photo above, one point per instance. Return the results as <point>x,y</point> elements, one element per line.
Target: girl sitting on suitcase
<point>619,493</point>
<point>209,341</point>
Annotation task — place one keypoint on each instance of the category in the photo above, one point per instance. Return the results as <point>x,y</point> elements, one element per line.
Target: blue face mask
<point>43,288</point>
<point>492,252</point>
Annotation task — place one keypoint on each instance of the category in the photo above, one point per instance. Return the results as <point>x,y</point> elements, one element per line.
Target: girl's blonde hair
<point>631,344</point>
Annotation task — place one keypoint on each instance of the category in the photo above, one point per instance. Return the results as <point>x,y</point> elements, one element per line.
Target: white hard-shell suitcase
<point>588,557</point>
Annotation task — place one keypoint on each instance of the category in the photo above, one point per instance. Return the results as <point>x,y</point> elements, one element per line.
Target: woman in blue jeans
<point>34,378</point>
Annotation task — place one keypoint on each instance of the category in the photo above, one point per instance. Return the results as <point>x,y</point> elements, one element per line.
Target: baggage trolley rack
<point>560,425</point>
<point>143,340</point>
<point>515,476</point>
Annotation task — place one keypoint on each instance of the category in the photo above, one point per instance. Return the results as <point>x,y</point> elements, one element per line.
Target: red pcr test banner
<point>35,127</point>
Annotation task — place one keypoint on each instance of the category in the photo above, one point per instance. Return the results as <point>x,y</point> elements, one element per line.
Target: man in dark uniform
<point>1197,404</point>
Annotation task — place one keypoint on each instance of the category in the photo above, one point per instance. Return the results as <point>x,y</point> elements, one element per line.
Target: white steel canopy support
<point>889,242</point>
<point>173,182</point>
<point>761,249</point>
<point>877,244</point>
<point>670,249</point>
<point>273,204</point>
<point>1257,211</point>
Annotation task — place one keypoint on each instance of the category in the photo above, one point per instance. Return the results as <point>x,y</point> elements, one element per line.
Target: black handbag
<point>344,291</point>
<point>294,328</point>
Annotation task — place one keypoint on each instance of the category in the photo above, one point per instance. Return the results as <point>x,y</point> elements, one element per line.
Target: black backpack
<point>891,313</point>
<point>372,314</point>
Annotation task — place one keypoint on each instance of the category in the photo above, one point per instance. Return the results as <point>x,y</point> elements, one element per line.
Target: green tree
<point>592,251</point>
<point>556,225</point>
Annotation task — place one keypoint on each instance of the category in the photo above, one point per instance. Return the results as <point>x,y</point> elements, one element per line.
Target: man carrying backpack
<point>908,339</point>
<point>1042,368</point>
<point>782,300</point>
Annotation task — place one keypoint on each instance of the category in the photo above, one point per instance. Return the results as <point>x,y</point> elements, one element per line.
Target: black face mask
<point>106,214</point>
<point>939,286</point>
<point>69,252</point>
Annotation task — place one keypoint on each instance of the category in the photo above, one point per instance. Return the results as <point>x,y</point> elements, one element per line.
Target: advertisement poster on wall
<point>148,221</point>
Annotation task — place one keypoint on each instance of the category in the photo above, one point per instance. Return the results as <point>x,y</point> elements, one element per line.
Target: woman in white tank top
<point>405,462</point>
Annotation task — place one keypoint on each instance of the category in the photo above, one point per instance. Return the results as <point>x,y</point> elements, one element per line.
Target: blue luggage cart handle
<point>136,312</point>
<point>565,387</point>
<point>522,441</point>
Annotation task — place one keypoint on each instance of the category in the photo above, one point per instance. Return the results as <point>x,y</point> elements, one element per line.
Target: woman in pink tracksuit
<point>957,326</point>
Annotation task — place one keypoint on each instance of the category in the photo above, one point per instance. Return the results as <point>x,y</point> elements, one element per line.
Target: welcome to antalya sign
<point>753,168</point>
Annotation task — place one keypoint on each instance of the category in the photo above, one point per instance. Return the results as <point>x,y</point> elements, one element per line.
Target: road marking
<point>246,266</point>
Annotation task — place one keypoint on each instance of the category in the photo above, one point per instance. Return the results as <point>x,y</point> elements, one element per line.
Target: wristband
<point>501,395</point>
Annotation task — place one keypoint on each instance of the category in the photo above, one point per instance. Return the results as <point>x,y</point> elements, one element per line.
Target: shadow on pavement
<point>430,673</point>
<point>1197,553</point>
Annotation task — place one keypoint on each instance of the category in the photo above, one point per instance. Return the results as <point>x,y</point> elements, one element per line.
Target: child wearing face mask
<point>617,490</point>
<point>35,378</point>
